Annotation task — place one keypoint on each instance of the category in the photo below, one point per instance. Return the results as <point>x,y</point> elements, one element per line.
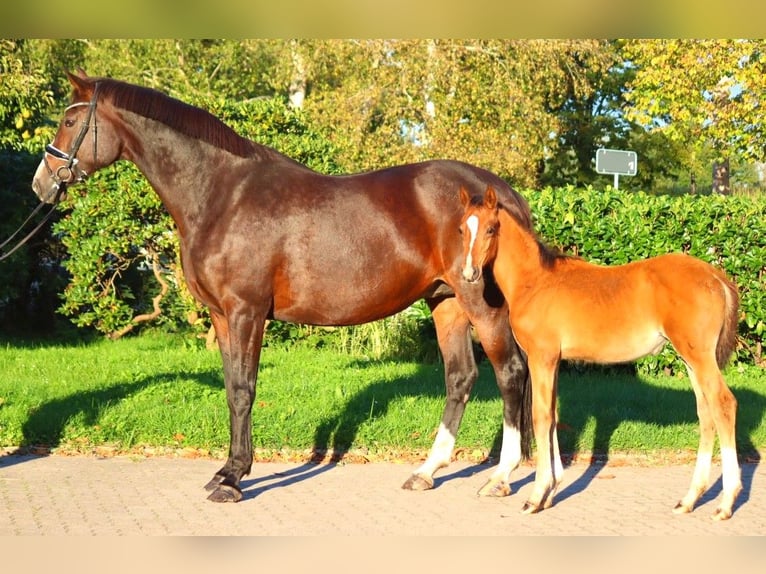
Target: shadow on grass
<point>44,428</point>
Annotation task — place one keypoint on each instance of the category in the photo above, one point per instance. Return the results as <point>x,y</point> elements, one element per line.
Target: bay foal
<point>562,307</point>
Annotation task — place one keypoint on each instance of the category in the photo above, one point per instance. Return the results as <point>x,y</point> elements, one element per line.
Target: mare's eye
<point>491,230</point>
<point>460,230</point>
<point>69,123</point>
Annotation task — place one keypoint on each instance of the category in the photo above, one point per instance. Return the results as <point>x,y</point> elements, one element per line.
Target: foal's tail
<point>727,339</point>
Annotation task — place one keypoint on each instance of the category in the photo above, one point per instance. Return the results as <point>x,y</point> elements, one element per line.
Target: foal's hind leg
<point>716,408</point>
<point>701,475</point>
<point>460,373</point>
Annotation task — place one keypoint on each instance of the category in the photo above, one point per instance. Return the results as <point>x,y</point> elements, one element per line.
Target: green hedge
<point>612,227</point>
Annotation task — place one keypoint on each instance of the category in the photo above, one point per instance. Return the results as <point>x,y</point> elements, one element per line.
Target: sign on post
<point>617,162</point>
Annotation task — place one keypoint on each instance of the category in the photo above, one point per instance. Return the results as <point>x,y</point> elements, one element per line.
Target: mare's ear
<point>83,88</point>
<point>465,199</point>
<point>490,198</point>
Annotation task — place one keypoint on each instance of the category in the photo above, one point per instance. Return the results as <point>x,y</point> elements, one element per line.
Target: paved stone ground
<point>84,495</point>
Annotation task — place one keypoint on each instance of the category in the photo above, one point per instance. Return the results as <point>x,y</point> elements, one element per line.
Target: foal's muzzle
<point>471,274</point>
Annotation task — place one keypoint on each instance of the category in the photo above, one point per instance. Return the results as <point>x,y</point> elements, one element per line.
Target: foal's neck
<point>519,256</point>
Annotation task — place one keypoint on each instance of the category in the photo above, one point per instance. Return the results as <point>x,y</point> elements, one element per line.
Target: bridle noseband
<point>69,172</point>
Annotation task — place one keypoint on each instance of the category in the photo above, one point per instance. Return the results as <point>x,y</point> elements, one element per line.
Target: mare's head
<point>78,148</point>
<point>478,227</point>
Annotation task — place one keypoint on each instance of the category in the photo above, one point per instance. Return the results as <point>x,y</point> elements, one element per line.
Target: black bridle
<point>73,173</point>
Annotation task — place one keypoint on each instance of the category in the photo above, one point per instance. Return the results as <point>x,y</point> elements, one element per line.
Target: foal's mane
<point>182,117</point>
<point>549,254</point>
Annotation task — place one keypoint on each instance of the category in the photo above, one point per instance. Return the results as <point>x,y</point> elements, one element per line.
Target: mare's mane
<point>182,117</point>
<point>549,254</point>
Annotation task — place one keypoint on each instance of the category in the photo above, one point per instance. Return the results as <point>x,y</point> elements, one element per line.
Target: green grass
<point>161,392</point>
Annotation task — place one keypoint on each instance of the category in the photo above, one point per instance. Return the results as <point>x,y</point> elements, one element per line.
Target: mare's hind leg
<point>716,407</point>
<point>239,339</point>
<point>460,373</point>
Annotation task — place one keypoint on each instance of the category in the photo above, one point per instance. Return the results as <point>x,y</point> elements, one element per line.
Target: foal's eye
<point>491,230</point>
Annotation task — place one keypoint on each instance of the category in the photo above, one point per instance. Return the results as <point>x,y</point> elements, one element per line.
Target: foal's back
<point>609,314</point>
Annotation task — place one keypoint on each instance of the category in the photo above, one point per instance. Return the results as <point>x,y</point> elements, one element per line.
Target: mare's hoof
<point>418,482</point>
<point>495,489</point>
<point>680,508</point>
<point>214,482</point>
<point>225,493</point>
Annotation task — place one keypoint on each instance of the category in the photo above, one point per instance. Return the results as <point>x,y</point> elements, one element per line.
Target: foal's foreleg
<point>240,341</point>
<point>543,372</point>
<point>460,373</point>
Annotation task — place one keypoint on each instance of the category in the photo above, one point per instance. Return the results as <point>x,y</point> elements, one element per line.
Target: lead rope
<point>70,157</point>
<point>37,228</point>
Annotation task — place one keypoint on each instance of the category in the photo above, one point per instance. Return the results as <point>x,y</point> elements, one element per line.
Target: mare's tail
<point>525,424</point>
<point>727,339</point>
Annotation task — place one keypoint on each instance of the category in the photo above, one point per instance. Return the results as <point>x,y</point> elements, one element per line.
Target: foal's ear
<point>490,198</point>
<point>465,199</point>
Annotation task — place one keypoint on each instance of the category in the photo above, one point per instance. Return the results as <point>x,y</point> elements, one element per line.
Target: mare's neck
<point>183,171</point>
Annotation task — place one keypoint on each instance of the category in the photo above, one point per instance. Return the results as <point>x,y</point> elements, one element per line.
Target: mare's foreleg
<point>453,332</point>
<point>513,381</point>
<point>239,339</point>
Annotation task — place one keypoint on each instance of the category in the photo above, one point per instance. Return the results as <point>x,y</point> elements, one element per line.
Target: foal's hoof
<point>681,508</point>
<point>495,489</point>
<point>225,493</point>
<point>530,508</point>
<point>721,514</point>
<point>418,482</point>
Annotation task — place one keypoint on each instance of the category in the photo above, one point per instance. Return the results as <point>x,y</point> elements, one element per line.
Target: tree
<point>704,93</point>
<point>493,103</point>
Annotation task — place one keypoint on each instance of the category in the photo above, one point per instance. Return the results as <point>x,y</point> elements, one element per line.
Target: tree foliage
<point>493,103</point>
<point>701,92</point>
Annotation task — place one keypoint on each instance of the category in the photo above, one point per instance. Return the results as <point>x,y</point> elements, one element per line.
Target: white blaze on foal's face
<point>472,224</point>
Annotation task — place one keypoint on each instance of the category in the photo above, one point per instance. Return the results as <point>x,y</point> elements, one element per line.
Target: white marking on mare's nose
<point>472,223</point>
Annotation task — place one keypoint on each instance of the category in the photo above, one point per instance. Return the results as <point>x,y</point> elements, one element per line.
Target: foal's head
<point>478,227</point>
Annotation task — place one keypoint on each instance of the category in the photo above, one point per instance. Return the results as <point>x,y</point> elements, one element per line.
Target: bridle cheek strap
<point>70,158</point>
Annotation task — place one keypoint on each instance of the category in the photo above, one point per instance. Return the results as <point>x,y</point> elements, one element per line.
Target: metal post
<point>616,180</point>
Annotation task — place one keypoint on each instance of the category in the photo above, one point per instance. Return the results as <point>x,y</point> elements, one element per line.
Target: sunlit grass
<point>158,391</point>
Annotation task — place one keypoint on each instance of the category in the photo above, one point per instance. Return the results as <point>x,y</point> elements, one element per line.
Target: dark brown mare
<point>566,308</point>
<point>263,237</point>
